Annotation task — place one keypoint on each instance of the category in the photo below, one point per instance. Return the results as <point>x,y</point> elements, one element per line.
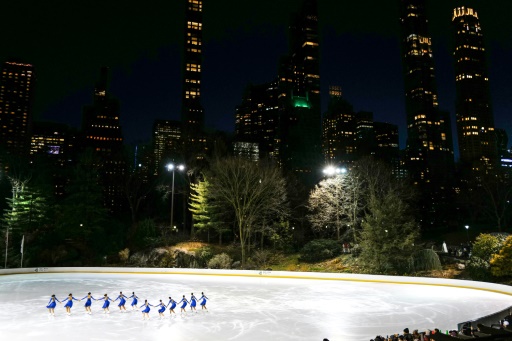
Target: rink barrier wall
<point>454,283</point>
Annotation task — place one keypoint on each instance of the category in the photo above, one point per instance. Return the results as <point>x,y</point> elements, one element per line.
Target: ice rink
<point>239,308</point>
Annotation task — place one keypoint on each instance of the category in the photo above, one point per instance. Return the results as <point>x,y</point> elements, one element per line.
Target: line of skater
<point>192,302</point>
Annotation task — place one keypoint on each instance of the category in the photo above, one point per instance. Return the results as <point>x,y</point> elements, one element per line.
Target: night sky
<point>68,42</point>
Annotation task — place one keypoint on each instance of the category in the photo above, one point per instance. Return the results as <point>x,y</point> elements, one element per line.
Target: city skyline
<point>143,49</point>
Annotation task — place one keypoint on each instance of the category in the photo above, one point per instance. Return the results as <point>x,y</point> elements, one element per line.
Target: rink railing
<point>463,284</point>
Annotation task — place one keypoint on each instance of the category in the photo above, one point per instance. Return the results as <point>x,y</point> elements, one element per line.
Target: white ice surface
<point>240,308</point>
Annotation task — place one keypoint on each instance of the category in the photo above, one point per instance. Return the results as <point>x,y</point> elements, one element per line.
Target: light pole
<point>331,170</point>
<point>171,167</point>
<point>467,232</point>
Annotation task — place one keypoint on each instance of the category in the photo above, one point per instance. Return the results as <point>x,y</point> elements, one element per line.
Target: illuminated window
<point>193,67</point>
<point>309,43</point>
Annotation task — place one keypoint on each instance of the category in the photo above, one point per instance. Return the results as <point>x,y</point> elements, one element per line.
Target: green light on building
<point>301,102</point>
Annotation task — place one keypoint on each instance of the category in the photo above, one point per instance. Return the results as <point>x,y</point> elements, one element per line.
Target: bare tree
<point>336,203</point>
<point>255,192</point>
<point>497,190</point>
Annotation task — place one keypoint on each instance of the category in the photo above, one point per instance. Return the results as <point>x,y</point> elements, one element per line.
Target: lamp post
<point>172,167</point>
<point>331,170</point>
<point>467,232</point>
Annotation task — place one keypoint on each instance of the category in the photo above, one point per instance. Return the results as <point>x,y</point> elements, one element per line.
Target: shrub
<point>479,269</point>
<point>425,260</point>
<point>124,255</point>
<point>221,261</point>
<point>262,257</point>
<point>203,255</point>
<point>485,246</point>
<point>500,263</point>
<point>320,249</point>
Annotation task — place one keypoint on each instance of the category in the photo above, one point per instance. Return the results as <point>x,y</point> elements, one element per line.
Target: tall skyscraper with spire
<point>16,98</point>
<point>429,150</point>
<point>429,145</point>
<point>192,111</point>
<point>300,126</point>
<point>101,130</point>
<point>475,121</point>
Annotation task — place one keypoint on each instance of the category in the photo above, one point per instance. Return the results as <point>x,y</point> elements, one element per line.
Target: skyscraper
<point>339,130</point>
<point>54,145</point>
<point>475,121</point>
<point>300,126</point>
<point>429,153</point>
<point>167,142</point>
<point>387,145</point>
<point>16,97</point>
<point>192,110</point>
<point>101,131</point>
<point>257,118</point>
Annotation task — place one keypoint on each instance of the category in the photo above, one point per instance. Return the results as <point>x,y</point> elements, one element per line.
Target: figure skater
<point>184,301</point>
<point>193,300</point>
<point>52,303</point>
<point>88,302</point>
<point>69,303</point>
<point>173,305</point>
<point>106,304</point>
<point>203,301</point>
<point>145,312</point>
<point>122,302</point>
<point>162,309</point>
<point>134,302</point>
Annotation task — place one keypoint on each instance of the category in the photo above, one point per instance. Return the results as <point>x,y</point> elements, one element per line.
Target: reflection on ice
<point>239,308</point>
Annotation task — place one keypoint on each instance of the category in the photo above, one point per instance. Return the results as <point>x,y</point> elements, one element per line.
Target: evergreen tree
<point>27,214</point>
<point>388,235</point>
<point>83,217</point>
<point>205,214</point>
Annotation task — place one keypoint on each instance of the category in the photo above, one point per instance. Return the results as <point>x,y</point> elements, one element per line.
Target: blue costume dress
<point>70,302</point>
<point>123,301</point>
<point>173,303</point>
<point>193,301</point>
<point>88,302</point>
<point>107,303</point>
<point>147,309</point>
<point>203,300</point>
<point>184,300</point>
<point>52,303</point>
<point>134,302</point>
<point>162,308</point>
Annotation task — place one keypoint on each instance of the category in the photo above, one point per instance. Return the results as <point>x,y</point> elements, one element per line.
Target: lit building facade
<point>339,131</point>
<point>475,121</point>
<point>101,132</point>
<point>55,144</point>
<point>300,123</point>
<point>246,150</point>
<point>429,158</point>
<point>257,118</point>
<point>387,146</point>
<point>16,98</point>
<point>192,109</point>
<point>429,150</point>
<point>167,142</point>
<point>364,134</point>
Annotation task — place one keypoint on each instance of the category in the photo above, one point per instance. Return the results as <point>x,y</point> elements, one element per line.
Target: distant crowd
<point>407,336</point>
<point>466,330</point>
